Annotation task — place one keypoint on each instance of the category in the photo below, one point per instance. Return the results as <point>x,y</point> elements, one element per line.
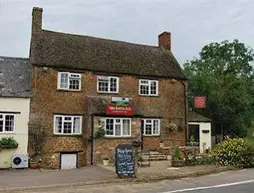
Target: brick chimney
<point>165,40</point>
<point>37,19</point>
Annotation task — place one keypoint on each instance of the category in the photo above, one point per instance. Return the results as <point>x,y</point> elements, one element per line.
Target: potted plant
<point>8,143</point>
<point>177,160</point>
<point>105,160</point>
<point>34,163</point>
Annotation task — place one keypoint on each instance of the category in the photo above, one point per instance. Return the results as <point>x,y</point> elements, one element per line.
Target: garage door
<point>68,160</point>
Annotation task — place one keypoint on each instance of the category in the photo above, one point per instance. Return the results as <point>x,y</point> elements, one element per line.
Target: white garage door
<point>68,160</point>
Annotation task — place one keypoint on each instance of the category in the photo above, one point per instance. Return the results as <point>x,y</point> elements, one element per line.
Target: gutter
<point>186,110</point>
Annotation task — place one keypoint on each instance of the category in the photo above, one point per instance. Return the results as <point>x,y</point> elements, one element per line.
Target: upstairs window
<point>150,127</point>
<point>107,84</point>
<point>67,125</point>
<point>148,87</point>
<point>7,123</point>
<point>69,81</point>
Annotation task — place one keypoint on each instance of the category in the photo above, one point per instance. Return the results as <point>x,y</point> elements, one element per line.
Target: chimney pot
<point>37,19</point>
<point>165,40</point>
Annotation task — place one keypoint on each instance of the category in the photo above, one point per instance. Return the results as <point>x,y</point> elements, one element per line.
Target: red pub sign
<point>200,102</point>
<point>119,110</point>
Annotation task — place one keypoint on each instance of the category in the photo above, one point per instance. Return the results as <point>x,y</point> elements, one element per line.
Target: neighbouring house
<point>199,131</point>
<point>84,86</point>
<point>14,107</point>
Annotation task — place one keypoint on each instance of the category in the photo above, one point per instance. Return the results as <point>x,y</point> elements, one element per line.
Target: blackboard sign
<point>124,160</point>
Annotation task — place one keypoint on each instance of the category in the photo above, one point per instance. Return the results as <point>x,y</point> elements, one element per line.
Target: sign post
<point>124,160</point>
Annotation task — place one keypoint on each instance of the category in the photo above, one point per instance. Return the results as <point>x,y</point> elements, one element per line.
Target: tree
<point>224,74</point>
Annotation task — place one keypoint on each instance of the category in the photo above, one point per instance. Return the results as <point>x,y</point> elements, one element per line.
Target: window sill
<point>117,93</point>
<point>68,90</point>
<point>155,96</point>
<point>152,135</point>
<point>67,135</point>
<point>117,137</point>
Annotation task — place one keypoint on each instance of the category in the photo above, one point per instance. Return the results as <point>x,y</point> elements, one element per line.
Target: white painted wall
<point>204,137</point>
<point>21,105</point>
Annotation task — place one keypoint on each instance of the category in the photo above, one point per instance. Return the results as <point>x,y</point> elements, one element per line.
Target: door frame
<point>66,152</point>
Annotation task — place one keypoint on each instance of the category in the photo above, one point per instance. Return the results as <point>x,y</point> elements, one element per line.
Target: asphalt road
<point>226,182</point>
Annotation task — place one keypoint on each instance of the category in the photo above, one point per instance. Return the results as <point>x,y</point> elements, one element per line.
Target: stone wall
<point>47,101</point>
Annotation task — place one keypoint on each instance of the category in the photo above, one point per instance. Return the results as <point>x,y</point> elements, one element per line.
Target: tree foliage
<point>224,74</point>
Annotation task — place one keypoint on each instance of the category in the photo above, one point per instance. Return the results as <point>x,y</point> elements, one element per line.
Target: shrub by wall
<point>237,152</point>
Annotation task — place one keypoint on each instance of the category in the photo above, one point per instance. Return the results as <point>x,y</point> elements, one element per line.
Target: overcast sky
<point>193,23</point>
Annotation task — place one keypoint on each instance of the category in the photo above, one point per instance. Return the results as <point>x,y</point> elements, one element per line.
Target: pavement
<point>225,182</point>
<point>27,179</point>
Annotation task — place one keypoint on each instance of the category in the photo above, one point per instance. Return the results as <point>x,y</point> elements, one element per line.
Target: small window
<point>69,81</point>
<point>118,127</point>
<point>7,123</point>
<point>67,125</point>
<point>148,87</point>
<point>150,127</point>
<point>107,84</point>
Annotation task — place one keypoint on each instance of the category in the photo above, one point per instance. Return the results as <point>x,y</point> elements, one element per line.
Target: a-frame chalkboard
<point>124,160</point>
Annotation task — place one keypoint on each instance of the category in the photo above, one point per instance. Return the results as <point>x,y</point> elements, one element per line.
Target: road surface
<point>226,182</point>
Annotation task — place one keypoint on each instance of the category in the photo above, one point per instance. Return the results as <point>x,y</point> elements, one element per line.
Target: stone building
<point>83,85</point>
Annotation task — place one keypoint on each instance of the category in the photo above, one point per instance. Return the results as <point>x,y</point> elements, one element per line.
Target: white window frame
<point>78,77</point>
<point>3,119</point>
<point>109,78</point>
<point>151,122</point>
<point>72,126</point>
<point>114,127</point>
<point>149,82</point>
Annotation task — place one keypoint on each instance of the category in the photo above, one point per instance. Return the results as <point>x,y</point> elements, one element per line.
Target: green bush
<point>176,154</point>
<point>8,143</point>
<point>237,152</point>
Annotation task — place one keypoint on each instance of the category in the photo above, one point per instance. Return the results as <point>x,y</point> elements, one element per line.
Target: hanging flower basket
<point>8,143</point>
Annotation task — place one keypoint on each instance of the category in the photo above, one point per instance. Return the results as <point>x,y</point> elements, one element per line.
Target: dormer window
<point>148,87</point>
<point>69,81</point>
<point>107,84</point>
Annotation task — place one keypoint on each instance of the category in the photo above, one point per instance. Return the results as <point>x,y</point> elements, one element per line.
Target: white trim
<point>14,123</point>
<point>114,125</point>
<point>149,87</point>
<point>152,123</point>
<point>108,91</point>
<point>72,121</point>
<point>79,77</point>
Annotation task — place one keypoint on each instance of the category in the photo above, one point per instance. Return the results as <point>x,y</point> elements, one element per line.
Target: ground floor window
<point>150,127</point>
<point>118,127</point>
<point>68,125</point>
<point>7,123</point>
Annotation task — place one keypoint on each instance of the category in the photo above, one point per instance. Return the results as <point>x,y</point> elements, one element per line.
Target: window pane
<point>74,84</point>
<point>76,125</point>
<point>153,87</point>
<point>126,127</point>
<point>117,129</point>
<point>67,127</point>
<point>144,89</point>
<point>1,125</point>
<point>113,84</point>
<point>9,122</point>
<point>148,129</point>
<point>58,125</point>
<point>103,85</point>
<point>64,80</point>
<point>109,126</point>
<point>143,127</point>
<point>156,127</point>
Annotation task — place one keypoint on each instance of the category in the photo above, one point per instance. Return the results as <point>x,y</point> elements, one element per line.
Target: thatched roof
<point>60,50</point>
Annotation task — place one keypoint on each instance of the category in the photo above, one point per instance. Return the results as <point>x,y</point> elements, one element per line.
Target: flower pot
<point>33,165</point>
<point>105,162</point>
<point>177,163</point>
